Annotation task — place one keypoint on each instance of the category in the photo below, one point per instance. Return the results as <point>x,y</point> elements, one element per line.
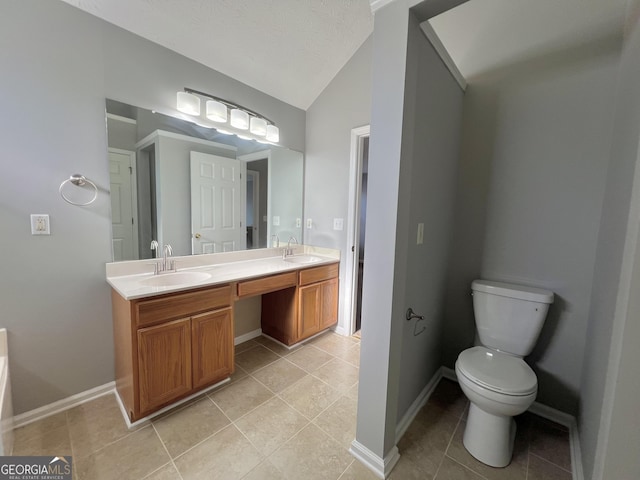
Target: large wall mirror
<point>196,189</point>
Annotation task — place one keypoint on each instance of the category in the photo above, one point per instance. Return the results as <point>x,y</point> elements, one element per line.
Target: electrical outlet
<point>40,224</point>
<point>298,222</point>
<point>276,221</point>
<point>420,239</point>
<point>338,223</point>
<point>309,223</point>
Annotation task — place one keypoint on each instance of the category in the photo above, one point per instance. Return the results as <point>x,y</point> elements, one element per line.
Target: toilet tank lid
<point>510,290</point>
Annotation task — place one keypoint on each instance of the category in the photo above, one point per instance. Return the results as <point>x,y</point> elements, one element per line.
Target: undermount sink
<point>177,278</point>
<point>302,259</point>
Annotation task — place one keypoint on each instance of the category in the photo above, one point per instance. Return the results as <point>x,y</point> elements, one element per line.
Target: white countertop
<point>128,278</point>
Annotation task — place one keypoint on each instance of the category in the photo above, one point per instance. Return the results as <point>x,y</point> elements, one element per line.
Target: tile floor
<point>284,415</point>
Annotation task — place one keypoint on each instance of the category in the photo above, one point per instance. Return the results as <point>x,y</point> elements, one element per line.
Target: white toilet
<point>494,377</point>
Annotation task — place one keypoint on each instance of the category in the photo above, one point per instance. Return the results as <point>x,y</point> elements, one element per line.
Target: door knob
<point>197,235</point>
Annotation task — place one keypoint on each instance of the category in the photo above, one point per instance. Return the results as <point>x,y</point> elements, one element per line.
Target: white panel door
<point>123,213</point>
<point>217,216</point>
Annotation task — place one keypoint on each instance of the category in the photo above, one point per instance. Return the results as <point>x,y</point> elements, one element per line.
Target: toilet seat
<point>497,371</point>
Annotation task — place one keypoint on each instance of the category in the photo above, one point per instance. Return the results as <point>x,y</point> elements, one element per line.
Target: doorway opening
<point>356,233</point>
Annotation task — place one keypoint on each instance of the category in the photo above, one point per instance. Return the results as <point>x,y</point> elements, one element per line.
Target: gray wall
<point>430,152</point>
<point>611,289</point>
<point>343,105</point>
<point>533,169</point>
<point>60,66</point>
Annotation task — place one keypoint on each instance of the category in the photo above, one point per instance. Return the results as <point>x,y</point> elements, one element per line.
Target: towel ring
<point>79,181</point>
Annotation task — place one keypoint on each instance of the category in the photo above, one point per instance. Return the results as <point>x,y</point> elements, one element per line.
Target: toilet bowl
<point>499,386</point>
<point>497,381</point>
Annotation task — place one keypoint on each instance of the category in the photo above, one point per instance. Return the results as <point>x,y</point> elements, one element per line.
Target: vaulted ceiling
<point>292,49</point>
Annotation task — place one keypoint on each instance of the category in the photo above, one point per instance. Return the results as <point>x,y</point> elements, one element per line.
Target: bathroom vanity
<point>174,333</point>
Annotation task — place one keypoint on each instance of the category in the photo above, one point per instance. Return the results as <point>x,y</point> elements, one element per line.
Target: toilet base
<point>489,438</point>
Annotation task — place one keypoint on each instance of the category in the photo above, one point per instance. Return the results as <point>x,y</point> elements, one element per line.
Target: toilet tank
<point>509,317</point>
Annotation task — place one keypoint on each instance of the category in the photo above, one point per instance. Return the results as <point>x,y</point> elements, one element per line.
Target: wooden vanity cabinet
<point>317,300</point>
<point>170,346</point>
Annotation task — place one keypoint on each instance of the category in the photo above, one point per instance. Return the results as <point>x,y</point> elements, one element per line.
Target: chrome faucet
<point>166,265</point>
<point>289,251</point>
<point>277,245</point>
<point>154,247</point>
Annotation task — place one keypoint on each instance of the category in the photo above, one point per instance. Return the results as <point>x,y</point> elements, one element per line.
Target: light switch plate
<point>276,221</point>
<point>420,239</point>
<point>40,224</point>
<point>338,223</point>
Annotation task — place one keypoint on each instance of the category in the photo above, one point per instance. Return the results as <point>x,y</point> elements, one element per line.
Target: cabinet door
<point>309,310</point>
<point>212,337</point>
<point>329,310</point>
<point>164,363</point>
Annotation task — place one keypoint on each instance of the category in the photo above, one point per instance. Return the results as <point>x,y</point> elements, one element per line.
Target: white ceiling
<point>481,35</point>
<point>289,49</point>
<point>292,49</point>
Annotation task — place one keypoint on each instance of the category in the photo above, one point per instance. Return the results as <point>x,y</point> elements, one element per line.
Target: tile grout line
<point>552,463</point>
<point>166,450</point>
<point>448,445</point>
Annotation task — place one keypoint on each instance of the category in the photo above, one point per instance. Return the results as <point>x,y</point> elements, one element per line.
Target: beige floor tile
<point>168,472</point>
<point>135,456</point>
<point>449,397</point>
<point>227,455</point>
<point>550,443</point>
<point>41,427</point>
<point>311,455</point>
<point>309,358</point>
<point>271,425</point>
<point>516,470</point>
<point>256,358</point>
<point>333,343</point>
<point>276,347</point>
<point>95,424</point>
<point>412,468</point>
<point>357,471</point>
<point>241,397</point>
<point>432,428</point>
<point>339,421</point>
<point>352,355</point>
<point>540,469</point>
<point>427,438</point>
<point>279,375</point>
<point>310,396</point>
<point>353,392</point>
<point>339,374</point>
<point>265,471</point>
<point>452,470</point>
<point>54,442</point>
<point>244,346</point>
<point>189,426</point>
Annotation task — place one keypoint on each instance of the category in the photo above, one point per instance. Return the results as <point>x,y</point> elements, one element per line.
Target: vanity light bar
<point>222,111</point>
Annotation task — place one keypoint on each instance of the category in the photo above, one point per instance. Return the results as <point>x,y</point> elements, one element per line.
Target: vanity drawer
<point>267,284</point>
<point>319,274</point>
<point>182,305</point>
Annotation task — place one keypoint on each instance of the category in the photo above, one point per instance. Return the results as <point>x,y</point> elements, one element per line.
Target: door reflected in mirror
<point>195,188</point>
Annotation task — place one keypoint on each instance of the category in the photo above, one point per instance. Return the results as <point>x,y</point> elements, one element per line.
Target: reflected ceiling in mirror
<point>196,189</point>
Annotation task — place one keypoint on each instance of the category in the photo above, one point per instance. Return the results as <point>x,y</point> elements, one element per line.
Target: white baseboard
<point>144,420</point>
<point>417,404</point>
<point>61,405</point>
<point>341,331</point>
<point>449,373</point>
<point>381,467</point>
<point>247,336</point>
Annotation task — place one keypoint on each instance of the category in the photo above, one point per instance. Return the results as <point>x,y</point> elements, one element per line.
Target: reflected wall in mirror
<point>195,188</point>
